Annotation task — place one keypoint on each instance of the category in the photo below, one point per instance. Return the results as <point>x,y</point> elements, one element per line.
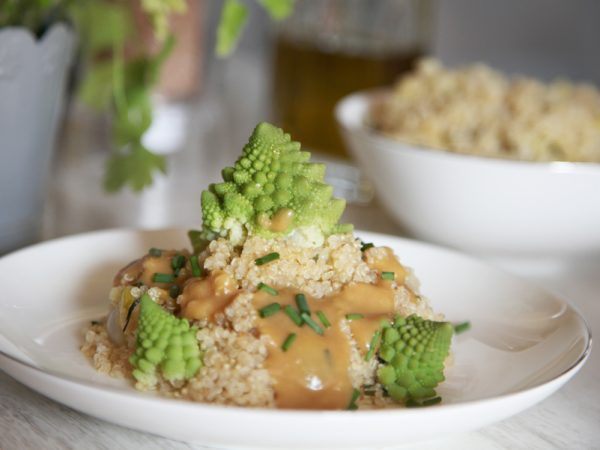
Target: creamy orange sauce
<point>142,270</point>
<point>281,220</point>
<point>389,263</point>
<point>313,373</point>
<point>202,298</point>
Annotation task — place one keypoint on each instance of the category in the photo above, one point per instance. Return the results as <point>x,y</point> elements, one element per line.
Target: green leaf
<point>233,18</point>
<point>96,88</point>
<point>103,25</point>
<point>135,168</point>
<point>278,9</point>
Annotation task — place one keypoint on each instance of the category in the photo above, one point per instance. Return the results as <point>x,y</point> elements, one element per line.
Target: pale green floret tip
<point>164,344</point>
<point>413,351</point>
<point>271,176</point>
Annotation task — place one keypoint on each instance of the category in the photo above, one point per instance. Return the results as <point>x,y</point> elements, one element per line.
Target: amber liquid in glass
<point>309,81</point>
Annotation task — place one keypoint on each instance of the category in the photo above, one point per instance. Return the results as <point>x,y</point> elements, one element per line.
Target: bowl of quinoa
<point>473,159</point>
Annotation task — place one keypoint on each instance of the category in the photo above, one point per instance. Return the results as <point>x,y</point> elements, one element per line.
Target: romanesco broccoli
<point>413,351</point>
<point>163,342</point>
<point>271,190</point>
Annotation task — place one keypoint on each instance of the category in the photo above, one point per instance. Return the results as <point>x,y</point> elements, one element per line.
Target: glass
<point>328,49</point>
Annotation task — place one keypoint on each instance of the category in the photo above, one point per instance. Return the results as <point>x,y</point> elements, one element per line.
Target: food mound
<point>278,305</point>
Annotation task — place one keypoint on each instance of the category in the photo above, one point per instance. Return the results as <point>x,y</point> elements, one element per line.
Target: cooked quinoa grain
<point>480,111</point>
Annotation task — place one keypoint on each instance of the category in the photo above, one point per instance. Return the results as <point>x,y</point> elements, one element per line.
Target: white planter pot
<point>33,75</point>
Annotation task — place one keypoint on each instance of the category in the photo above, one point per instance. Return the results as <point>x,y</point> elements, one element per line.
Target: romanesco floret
<point>272,189</point>
<point>413,351</point>
<point>165,343</point>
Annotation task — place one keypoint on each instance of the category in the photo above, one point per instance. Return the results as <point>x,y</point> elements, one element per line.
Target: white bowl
<point>499,208</point>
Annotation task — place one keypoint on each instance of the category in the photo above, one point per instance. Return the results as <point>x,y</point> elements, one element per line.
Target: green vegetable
<point>163,278</point>
<point>271,177</point>
<point>288,342</point>
<point>174,291</point>
<point>293,315</point>
<point>323,318</point>
<point>302,304</point>
<point>177,262</point>
<point>366,246</point>
<point>196,269</point>
<point>462,327</point>
<point>266,259</point>
<point>388,276</point>
<point>165,345</point>
<point>269,310</point>
<point>268,289</point>
<point>352,405</point>
<point>311,323</point>
<point>156,252</point>
<point>413,351</point>
<point>354,316</point>
<point>373,345</point>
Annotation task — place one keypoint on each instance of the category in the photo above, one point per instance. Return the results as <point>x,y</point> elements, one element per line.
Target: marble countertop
<point>569,419</point>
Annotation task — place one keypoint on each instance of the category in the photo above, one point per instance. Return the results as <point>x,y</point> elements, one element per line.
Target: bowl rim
<point>348,120</point>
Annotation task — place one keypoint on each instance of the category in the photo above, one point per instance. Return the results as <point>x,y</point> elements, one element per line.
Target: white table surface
<point>570,419</point>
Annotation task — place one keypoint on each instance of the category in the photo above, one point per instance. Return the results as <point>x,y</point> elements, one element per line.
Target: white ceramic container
<point>497,208</point>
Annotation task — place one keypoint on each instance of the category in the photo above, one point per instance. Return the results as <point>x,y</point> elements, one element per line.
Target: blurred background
<point>205,107</point>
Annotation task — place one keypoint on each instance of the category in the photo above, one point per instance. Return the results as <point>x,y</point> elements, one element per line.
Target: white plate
<point>524,344</point>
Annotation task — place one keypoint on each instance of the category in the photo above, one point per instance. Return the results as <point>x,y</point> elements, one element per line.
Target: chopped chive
<point>196,270</point>
<point>130,311</point>
<point>323,318</point>
<point>163,278</point>
<point>366,246</point>
<point>155,252</point>
<point>354,316</point>
<point>288,342</point>
<point>266,288</point>
<point>462,327</point>
<point>266,259</point>
<point>174,291</point>
<point>302,304</point>
<point>373,345</point>
<point>311,323</point>
<point>388,276</point>
<point>352,405</point>
<point>177,262</point>
<point>293,315</point>
<point>269,310</point>
<point>411,403</point>
<point>432,401</point>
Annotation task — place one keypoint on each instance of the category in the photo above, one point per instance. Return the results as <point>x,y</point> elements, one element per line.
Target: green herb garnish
<point>388,276</point>
<point>163,278</point>
<point>293,315</point>
<point>288,342</point>
<point>354,316</point>
<point>302,304</point>
<point>323,318</point>
<point>196,269</point>
<point>462,327</point>
<point>156,252</point>
<point>266,259</point>
<point>268,289</point>
<point>269,310</point>
<point>311,323</point>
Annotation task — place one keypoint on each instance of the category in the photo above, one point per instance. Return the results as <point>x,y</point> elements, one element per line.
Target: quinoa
<point>478,110</point>
<point>234,354</point>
